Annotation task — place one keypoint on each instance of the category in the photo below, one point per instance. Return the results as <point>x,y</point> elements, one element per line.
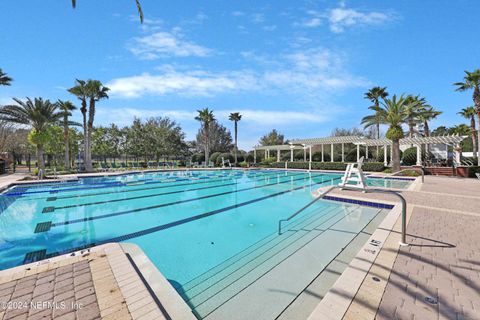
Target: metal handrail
<point>402,200</point>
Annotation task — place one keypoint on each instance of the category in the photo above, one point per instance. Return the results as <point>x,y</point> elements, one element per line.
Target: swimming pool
<point>211,233</point>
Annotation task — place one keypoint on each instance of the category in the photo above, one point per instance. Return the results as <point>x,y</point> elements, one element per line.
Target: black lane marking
<point>35,256</point>
<point>108,215</point>
<point>204,180</point>
<point>43,227</point>
<point>48,209</point>
<point>151,195</point>
<point>176,223</point>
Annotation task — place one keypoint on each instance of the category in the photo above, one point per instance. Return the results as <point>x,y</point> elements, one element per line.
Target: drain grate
<point>52,199</point>
<point>43,227</point>
<point>35,256</point>
<point>431,300</point>
<point>48,209</point>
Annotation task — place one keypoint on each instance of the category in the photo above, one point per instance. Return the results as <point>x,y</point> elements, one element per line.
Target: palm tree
<point>4,79</point>
<point>39,114</point>
<point>374,95</point>
<point>206,117</point>
<point>80,91</point>
<point>427,115</point>
<point>137,2</point>
<point>393,112</point>
<point>469,113</point>
<point>66,107</point>
<point>235,117</point>
<point>415,106</point>
<point>95,92</point>
<point>472,81</point>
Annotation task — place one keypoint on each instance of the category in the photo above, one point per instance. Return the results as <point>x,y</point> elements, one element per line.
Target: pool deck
<point>442,264</point>
<point>442,261</point>
<point>100,283</point>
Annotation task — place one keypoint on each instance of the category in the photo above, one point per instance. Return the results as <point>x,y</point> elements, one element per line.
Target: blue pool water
<point>186,222</point>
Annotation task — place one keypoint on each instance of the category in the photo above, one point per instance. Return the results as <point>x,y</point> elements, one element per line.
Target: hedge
<point>368,166</point>
<point>472,170</point>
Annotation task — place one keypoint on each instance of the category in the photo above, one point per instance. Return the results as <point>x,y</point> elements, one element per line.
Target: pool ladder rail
<point>403,242</point>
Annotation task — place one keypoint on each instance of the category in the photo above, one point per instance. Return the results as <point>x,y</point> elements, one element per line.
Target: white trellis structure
<point>360,142</point>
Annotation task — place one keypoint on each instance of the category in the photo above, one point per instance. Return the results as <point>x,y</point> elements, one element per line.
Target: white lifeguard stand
<point>354,173</point>
<point>225,163</point>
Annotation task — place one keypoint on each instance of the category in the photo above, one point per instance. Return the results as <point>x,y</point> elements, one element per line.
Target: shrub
<point>472,171</point>
<point>243,164</point>
<point>198,157</point>
<point>409,173</point>
<point>214,156</point>
<point>368,166</point>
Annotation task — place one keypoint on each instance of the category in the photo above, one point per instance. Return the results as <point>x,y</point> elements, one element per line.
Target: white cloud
<point>341,18</point>
<point>164,44</point>
<point>313,22</point>
<point>309,73</point>
<point>238,13</point>
<point>189,83</point>
<point>267,117</point>
<point>270,28</point>
<point>258,18</point>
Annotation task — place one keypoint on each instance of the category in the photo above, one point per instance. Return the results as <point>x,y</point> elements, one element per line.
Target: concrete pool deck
<point>443,262</point>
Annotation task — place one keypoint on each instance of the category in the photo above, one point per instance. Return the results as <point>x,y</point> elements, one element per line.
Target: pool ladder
<point>367,190</point>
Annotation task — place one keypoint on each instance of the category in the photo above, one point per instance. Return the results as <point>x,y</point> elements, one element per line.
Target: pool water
<point>193,225</point>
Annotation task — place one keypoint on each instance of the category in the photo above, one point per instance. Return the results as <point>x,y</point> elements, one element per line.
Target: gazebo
<point>308,144</point>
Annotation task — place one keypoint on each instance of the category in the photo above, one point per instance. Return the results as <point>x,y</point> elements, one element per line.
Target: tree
<point>393,113</point>
<point>235,117</point>
<point>469,113</point>
<point>219,139</point>
<point>272,138</point>
<point>80,91</point>
<point>206,117</point>
<point>472,81</point>
<point>427,115</point>
<point>374,95</point>
<point>137,2</point>
<point>4,79</point>
<point>93,91</point>
<point>39,114</point>
<point>66,107</point>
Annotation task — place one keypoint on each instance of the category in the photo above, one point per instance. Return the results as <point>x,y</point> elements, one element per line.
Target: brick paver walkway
<point>63,293</point>
<point>443,263</point>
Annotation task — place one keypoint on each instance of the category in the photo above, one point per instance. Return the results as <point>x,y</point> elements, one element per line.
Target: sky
<point>301,67</point>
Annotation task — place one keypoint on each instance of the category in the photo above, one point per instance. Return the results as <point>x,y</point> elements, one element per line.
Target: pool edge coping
<point>340,296</point>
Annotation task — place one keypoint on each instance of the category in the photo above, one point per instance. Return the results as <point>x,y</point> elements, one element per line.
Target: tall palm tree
<point>4,79</point>
<point>235,117</point>
<point>206,117</point>
<point>472,81</point>
<point>374,95</point>
<point>95,92</point>
<point>39,114</point>
<point>469,113</point>
<point>81,92</point>
<point>393,113</point>
<point>427,115</point>
<point>137,2</point>
<point>66,107</point>
<point>415,106</point>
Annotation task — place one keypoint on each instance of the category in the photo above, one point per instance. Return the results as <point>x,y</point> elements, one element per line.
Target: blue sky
<point>298,66</point>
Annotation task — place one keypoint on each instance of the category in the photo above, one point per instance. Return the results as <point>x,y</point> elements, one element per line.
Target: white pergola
<point>358,141</point>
